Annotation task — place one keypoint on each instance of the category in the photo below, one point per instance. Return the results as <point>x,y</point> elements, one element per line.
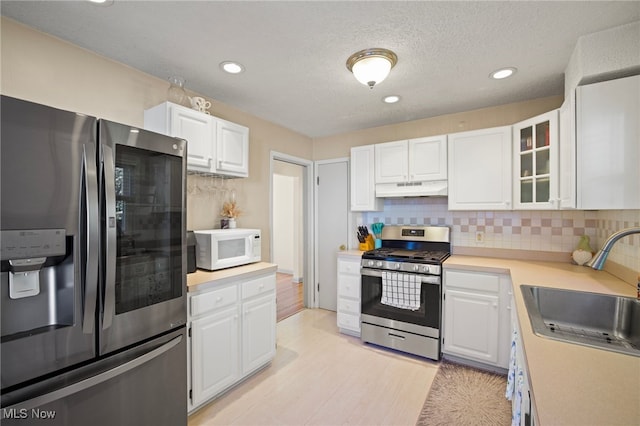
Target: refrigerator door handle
<point>110,242</point>
<point>90,177</point>
<point>97,379</point>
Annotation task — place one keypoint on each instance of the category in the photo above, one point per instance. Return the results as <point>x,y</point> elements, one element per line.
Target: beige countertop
<point>350,253</point>
<point>201,279</point>
<point>570,384</point>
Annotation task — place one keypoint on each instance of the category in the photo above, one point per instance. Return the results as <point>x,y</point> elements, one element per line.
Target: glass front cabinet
<point>536,173</point>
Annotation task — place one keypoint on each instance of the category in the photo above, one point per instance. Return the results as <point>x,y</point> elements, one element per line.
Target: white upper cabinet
<point>392,162</point>
<point>214,145</point>
<point>608,145</point>
<point>428,159</point>
<point>232,150</point>
<point>480,169</point>
<point>413,160</point>
<point>535,163</point>
<point>567,154</point>
<point>362,179</point>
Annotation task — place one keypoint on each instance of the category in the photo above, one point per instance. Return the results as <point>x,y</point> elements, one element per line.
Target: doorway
<point>291,242</point>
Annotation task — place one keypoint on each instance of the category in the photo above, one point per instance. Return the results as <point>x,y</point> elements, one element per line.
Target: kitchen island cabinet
<point>569,384</point>
<point>232,327</point>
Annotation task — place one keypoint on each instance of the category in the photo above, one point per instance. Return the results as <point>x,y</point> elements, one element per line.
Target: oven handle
<point>427,279</point>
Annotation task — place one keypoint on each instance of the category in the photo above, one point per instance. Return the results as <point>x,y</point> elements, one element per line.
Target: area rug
<point>462,395</point>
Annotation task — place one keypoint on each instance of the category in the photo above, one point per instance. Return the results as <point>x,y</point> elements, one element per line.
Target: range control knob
<point>397,266</point>
<point>416,268</point>
<point>379,264</point>
<point>370,263</point>
<point>425,268</point>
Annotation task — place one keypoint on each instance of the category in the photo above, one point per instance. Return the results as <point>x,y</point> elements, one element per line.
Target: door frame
<point>315,225</point>
<point>308,197</point>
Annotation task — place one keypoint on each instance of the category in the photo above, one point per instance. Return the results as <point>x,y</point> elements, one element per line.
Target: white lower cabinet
<point>214,354</point>
<point>349,294</point>
<point>476,317</point>
<point>232,333</point>
<point>258,333</point>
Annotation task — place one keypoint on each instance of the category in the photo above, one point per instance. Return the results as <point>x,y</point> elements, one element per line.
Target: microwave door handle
<point>110,240</point>
<point>90,210</point>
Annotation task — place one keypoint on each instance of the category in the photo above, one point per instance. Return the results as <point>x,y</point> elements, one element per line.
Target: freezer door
<point>143,386</point>
<point>143,179</point>
<point>49,240</point>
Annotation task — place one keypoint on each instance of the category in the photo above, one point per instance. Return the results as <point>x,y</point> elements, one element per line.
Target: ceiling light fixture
<point>371,66</point>
<point>391,99</point>
<point>101,2</point>
<point>231,67</point>
<point>503,73</point>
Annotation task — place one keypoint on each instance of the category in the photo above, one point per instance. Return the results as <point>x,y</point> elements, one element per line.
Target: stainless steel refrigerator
<point>93,279</point>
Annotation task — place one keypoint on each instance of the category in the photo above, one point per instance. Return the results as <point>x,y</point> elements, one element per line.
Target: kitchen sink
<point>597,320</point>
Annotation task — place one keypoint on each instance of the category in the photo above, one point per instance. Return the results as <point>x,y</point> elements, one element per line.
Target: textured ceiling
<point>295,51</point>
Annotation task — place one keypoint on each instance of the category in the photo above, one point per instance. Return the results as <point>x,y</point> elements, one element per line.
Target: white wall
<point>604,55</point>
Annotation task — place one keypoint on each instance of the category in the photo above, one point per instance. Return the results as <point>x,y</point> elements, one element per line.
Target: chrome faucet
<point>597,262</point>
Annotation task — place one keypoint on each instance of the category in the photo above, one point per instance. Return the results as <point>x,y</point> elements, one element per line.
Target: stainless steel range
<point>402,289</point>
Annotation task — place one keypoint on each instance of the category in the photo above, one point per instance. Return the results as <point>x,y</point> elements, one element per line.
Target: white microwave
<point>224,248</point>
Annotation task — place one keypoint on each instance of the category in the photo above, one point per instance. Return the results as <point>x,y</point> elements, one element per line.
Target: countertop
<point>201,279</point>
<point>570,384</point>
<point>350,253</point>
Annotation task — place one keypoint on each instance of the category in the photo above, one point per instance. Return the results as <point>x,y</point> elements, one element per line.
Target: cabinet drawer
<point>348,306</point>
<point>213,299</point>
<point>349,286</point>
<point>258,286</point>
<point>348,267</point>
<point>472,281</point>
<point>349,321</point>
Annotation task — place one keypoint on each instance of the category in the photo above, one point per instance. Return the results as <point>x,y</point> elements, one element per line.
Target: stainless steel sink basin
<point>598,320</point>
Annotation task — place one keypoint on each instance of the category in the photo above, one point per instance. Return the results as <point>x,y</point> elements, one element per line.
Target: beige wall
<point>339,145</point>
<point>47,70</point>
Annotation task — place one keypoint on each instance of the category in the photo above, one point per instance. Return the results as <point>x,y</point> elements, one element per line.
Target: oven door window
<point>427,315</point>
<point>148,215</point>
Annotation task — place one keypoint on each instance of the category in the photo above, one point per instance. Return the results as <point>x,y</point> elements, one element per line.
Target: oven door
<point>426,317</point>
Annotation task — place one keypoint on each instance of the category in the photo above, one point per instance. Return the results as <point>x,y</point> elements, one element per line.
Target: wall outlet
<point>479,237</point>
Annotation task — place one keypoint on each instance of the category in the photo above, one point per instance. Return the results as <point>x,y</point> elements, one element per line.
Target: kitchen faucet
<point>601,256</point>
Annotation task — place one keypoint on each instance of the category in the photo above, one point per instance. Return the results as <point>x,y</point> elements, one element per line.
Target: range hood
<point>436,188</point>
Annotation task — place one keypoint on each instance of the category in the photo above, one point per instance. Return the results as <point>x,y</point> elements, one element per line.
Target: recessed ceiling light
<point>503,73</point>
<point>231,67</point>
<point>101,2</point>
<point>392,99</point>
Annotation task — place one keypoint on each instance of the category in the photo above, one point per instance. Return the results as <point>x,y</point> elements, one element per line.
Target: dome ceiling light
<point>371,66</point>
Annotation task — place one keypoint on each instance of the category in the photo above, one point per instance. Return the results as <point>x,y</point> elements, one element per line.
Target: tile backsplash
<point>548,230</point>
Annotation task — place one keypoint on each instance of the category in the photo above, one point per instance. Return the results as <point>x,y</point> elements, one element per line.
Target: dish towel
<point>401,290</point>
<point>515,381</point>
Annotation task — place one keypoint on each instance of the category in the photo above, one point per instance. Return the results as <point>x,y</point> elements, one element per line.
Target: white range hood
<point>436,188</point>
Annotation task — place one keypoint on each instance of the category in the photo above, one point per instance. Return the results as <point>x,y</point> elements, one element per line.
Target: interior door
<point>332,223</point>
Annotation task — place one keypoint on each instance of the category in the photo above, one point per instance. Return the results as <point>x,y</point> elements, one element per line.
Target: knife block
<point>368,244</point>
